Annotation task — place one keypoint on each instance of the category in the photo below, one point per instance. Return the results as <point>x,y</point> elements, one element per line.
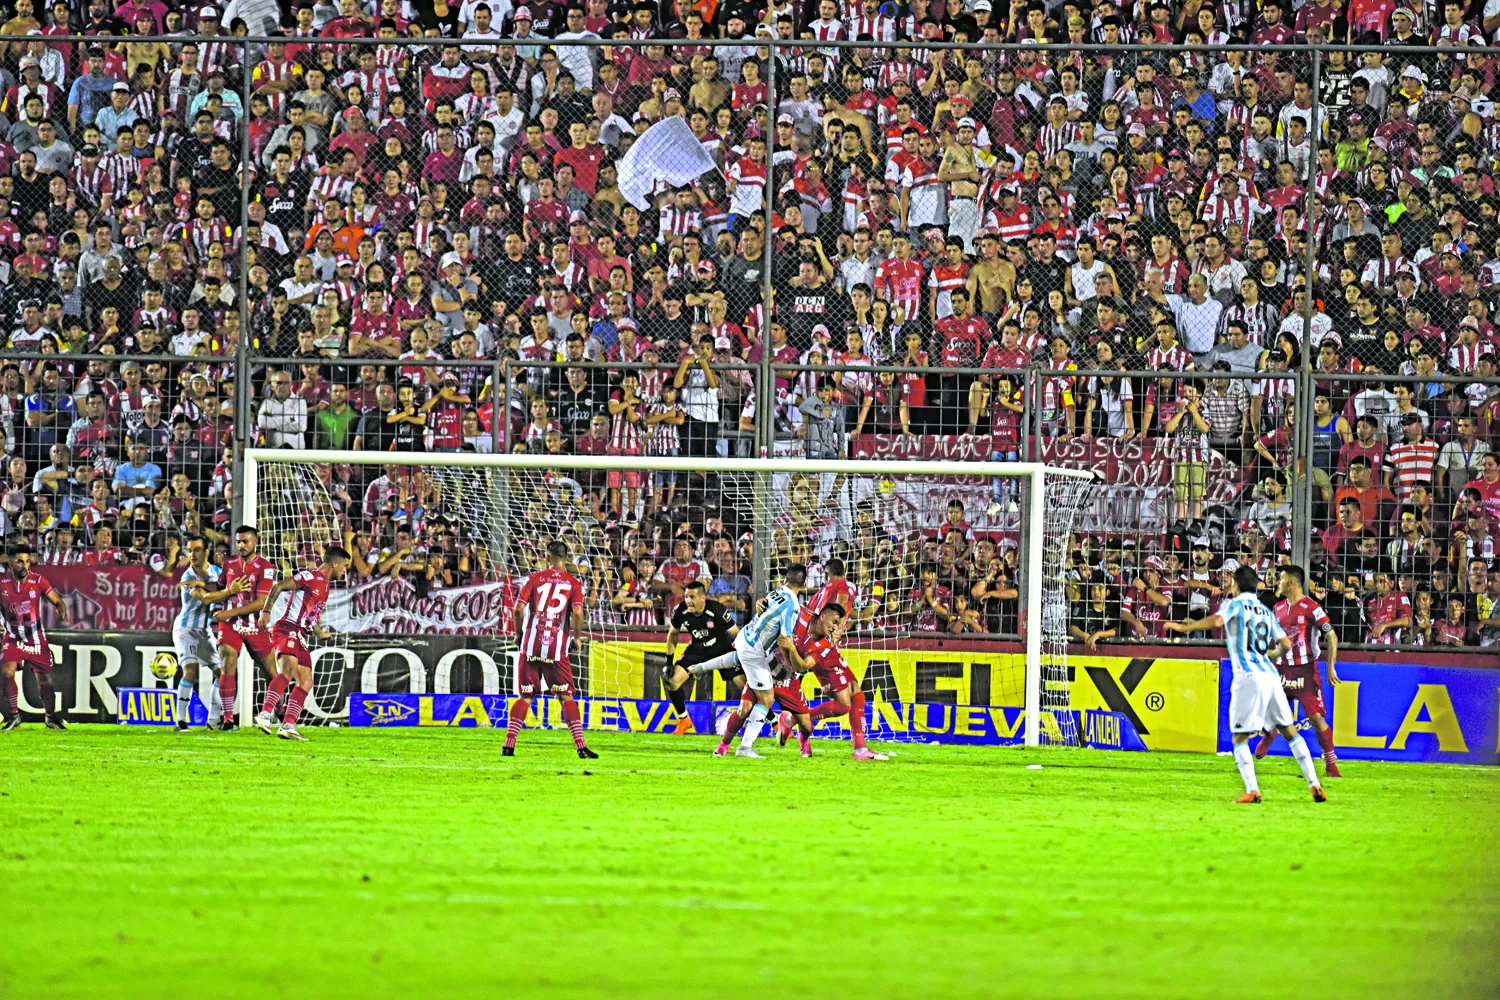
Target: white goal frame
<point>1034,472</point>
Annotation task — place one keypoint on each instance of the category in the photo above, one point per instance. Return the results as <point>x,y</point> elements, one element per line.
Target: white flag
<point>667,152</point>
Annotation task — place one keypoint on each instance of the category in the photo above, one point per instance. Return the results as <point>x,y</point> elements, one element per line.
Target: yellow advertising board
<point>1173,703</point>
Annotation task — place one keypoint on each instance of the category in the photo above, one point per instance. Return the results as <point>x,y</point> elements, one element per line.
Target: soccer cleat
<point>288,731</point>
<point>182,725</point>
<point>228,726</point>
<point>54,722</point>
<point>267,723</point>
<point>783,728</point>
<point>11,722</point>
<point>1331,769</point>
<point>749,752</point>
<point>683,727</point>
<point>215,725</point>
<point>507,751</point>
<point>865,753</point>
<point>584,753</point>
<point>1264,746</point>
<point>721,750</point>
<point>1248,798</point>
<point>807,750</point>
<point>1318,794</point>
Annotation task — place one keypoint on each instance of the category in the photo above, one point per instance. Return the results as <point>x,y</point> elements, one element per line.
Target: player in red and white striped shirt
<point>549,611</point>
<point>1305,622</point>
<point>307,592</point>
<point>22,591</point>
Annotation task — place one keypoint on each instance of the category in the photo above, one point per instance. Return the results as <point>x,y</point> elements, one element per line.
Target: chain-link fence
<point>845,232</point>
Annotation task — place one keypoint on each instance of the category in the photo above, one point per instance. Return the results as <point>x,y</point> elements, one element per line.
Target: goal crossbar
<point>1034,472</point>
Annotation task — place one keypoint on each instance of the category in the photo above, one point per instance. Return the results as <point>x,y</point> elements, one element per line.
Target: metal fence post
<point>765,407</point>
<point>242,345</point>
<point>1302,439</point>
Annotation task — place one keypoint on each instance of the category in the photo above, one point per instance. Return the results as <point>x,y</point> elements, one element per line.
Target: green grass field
<point>420,862</point>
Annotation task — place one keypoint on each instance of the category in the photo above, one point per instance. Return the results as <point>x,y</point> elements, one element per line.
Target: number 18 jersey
<point>1250,631</point>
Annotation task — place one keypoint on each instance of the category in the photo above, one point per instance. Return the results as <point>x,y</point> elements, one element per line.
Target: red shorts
<point>788,699</point>
<point>834,678</point>
<point>1304,684</point>
<point>529,673</point>
<point>631,479</point>
<point>238,638</point>
<point>38,657</point>
<point>291,642</point>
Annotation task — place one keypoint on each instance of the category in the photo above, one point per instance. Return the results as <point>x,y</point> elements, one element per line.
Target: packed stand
<point>1027,212</point>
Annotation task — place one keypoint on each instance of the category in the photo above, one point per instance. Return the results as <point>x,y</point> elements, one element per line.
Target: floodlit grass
<point>421,863</point>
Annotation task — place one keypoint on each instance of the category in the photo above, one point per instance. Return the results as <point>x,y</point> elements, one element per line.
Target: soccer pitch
<point>140,862</point>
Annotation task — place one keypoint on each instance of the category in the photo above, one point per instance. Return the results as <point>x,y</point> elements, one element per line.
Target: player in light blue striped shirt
<point>1257,699</point>
<point>754,648</point>
<point>193,629</point>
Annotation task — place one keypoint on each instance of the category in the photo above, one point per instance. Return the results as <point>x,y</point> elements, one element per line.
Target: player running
<point>1303,619</point>
<point>238,628</point>
<point>834,676</point>
<point>22,591</point>
<point>193,628</point>
<point>549,611</point>
<point>1257,701</point>
<point>753,649</point>
<point>289,636</point>
<point>797,657</point>
<point>711,629</point>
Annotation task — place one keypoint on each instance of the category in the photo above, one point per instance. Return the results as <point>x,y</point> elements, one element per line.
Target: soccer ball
<point>164,666</point>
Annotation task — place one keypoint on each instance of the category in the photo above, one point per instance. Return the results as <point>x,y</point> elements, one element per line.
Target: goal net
<point>959,628</point>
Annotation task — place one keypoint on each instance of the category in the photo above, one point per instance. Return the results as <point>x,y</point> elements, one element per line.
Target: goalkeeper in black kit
<point>711,630</point>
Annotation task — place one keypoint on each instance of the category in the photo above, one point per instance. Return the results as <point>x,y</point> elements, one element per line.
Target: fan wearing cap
<point>959,170</point>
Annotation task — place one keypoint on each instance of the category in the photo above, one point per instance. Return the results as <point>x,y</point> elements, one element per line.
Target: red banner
<point>1117,462</point>
<point>115,598</point>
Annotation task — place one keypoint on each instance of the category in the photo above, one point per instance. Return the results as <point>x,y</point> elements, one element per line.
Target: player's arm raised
<point>215,596</point>
<point>1198,625</point>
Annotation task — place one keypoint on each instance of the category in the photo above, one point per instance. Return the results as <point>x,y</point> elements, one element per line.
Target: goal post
<point>1029,507</point>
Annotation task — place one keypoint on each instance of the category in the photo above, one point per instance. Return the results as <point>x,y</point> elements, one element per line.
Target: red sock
<point>518,711</point>
<point>857,719</point>
<point>226,692</point>
<point>828,709</point>
<point>732,727</point>
<point>574,720</point>
<point>12,695</point>
<point>1325,739</point>
<point>274,692</point>
<point>294,705</point>
<point>44,688</point>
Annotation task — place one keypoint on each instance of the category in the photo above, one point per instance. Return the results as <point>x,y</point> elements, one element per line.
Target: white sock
<point>753,726</point>
<point>1245,761</point>
<point>1304,759</point>
<point>215,703</point>
<point>184,698</point>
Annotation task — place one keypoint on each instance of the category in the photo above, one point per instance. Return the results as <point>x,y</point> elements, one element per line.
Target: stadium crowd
<point>991,220</point>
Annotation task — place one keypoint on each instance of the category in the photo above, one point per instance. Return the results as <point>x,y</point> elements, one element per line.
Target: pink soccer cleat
<point>783,728</point>
<point>865,753</point>
<point>721,750</point>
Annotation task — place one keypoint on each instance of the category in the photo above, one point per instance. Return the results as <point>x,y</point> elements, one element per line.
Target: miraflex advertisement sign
<point>950,692</point>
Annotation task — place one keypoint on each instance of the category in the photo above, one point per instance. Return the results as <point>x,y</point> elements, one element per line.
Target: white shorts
<point>1257,703</point>
<point>196,645</point>
<point>756,666</point>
